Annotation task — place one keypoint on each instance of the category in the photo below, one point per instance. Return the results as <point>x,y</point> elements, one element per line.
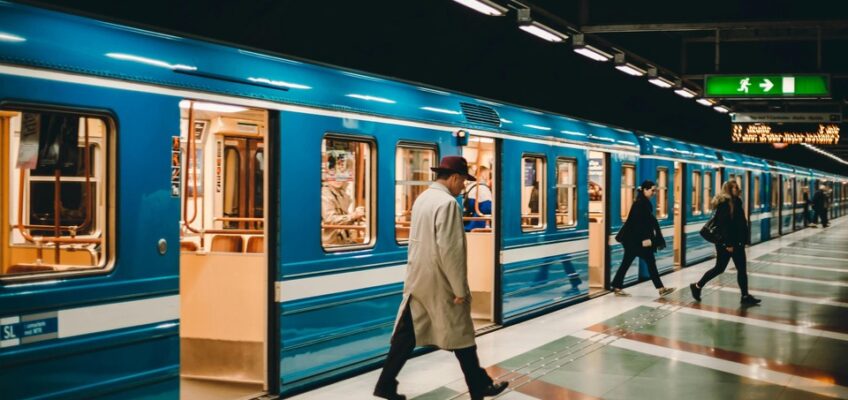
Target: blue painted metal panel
<point>616,194</point>
<point>145,212</point>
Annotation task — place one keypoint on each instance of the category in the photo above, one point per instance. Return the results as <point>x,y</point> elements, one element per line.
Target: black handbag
<point>710,231</point>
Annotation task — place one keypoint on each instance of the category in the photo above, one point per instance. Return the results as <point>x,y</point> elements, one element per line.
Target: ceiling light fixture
<point>626,67</point>
<point>657,80</point>
<point>705,102</point>
<point>484,7</point>
<point>542,31</point>
<point>721,109</point>
<point>580,47</point>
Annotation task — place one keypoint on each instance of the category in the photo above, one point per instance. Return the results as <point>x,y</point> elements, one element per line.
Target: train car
<point>752,174</point>
<point>178,211</point>
<point>785,175</point>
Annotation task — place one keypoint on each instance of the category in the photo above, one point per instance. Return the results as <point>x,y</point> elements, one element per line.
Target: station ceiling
<point>442,43</point>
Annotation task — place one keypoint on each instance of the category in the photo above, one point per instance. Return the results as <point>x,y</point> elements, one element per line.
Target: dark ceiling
<point>444,44</point>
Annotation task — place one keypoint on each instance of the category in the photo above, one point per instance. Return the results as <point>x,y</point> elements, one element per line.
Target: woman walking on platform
<point>732,229</point>
<point>641,237</point>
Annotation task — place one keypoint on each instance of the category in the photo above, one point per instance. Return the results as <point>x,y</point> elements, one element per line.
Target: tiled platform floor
<point>792,346</point>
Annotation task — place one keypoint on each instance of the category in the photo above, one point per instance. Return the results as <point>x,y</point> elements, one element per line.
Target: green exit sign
<point>748,86</point>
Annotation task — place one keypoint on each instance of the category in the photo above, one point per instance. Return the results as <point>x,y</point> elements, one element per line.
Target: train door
<point>598,227</point>
<point>480,211</point>
<point>223,264</point>
<point>679,220</point>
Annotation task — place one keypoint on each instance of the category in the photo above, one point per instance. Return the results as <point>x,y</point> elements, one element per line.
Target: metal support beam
<point>717,51</point>
<point>818,48</point>
<point>710,26</point>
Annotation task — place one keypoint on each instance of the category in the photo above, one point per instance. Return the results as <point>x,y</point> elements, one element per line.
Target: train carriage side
<point>95,290</point>
<point>624,169</point>
<point>759,208</point>
<point>555,250</point>
<point>785,180</point>
<point>805,182</point>
<point>700,185</point>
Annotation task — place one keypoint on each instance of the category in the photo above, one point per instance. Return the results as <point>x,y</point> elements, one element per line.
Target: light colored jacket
<point>438,272</point>
<point>335,204</point>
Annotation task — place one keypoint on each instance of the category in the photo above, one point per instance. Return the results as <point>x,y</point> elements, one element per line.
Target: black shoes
<point>388,394</point>
<point>492,390</point>
<point>696,291</point>
<point>749,300</point>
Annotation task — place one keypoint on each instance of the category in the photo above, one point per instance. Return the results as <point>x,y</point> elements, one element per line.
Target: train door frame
<point>679,217</point>
<point>600,238</point>
<point>495,306</point>
<point>248,147</point>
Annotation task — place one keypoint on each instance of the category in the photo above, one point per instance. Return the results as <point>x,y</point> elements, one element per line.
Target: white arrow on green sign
<point>746,86</point>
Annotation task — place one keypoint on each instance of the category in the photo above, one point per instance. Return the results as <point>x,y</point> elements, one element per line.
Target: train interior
<point>598,170</point>
<point>55,163</point>
<point>479,211</point>
<point>219,174</point>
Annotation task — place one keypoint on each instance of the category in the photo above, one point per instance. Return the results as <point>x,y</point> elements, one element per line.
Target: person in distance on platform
<point>641,236</point>
<point>807,203</point>
<point>820,206</point>
<point>732,225</point>
<point>436,306</point>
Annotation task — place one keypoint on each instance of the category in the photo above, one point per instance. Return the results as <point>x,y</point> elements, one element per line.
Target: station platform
<point>792,346</point>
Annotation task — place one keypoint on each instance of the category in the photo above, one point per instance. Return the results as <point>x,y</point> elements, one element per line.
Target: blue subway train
<point>178,212</point>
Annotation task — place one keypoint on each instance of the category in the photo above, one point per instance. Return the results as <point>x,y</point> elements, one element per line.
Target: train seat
<point>227,243</point>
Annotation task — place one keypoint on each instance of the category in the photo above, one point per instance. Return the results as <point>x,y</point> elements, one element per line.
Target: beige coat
<point>437,272</point>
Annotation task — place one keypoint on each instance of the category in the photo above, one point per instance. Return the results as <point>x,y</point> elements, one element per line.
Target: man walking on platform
<point>436,306</point>
<point>820,206</point>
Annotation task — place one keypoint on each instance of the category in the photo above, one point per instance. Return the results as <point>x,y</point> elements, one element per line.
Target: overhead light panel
<point>705,102</point>
<point>657,80</point>
<point>484,7</point>
<point>542,31</point>
<point>721,109</point>
<point>626,67</point>
<point>580,47</point>
<point>684,92</point>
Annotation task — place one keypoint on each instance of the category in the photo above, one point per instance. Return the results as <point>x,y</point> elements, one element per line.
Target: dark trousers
<point>722,259</point>
<point>630,254</point>
<point>821,215</point>
<point>402,344</point>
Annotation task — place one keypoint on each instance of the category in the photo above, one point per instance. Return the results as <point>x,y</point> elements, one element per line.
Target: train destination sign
<point>811,118</point>
<point>759,86</point>
<point>785,133</point>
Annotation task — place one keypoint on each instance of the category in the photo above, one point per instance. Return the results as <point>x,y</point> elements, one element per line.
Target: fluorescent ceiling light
<point>371,98</point>
<point>541,128</point>
<point>214,107</point>
<point>484,6</point>
<point>630,69</point>
<point>593,53</point>
<point>8,37</point>
<point>441,110</point>
<point>685,93</point>
<point>705,102</point>
<point>721,109</point>
<point>150,61</point>
<point>539,30</point>
<point>661,82</point>
<point>279,83</point>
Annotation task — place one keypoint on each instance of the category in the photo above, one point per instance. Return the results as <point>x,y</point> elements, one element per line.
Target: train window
<point>532,193</point>
<point>799,192</point>
<point>775,193</point>
<point>756,192</point>
<point>662,193</point>
<point>696,192</point>
<point>412,177</point>
<point>787,192</point>
<point>708,191</point>
<point>628,189</point>
<point>346,193</point>
<point>566,195</point>
<point>232,172</point>
<point>59,169</point>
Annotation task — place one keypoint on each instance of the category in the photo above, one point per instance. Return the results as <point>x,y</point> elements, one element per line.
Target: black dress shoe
<point>696,291</point>
<point>749,300</point>
<point>388,395</point>
<point>492,390</point>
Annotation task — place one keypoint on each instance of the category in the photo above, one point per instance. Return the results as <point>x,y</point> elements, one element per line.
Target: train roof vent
<point>480,114</point>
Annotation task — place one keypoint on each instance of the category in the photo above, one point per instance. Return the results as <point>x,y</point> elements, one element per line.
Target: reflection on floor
<point>199,389</point>
<point>792,346</point>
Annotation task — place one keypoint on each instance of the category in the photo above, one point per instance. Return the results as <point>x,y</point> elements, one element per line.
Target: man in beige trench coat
<point>436,306</point>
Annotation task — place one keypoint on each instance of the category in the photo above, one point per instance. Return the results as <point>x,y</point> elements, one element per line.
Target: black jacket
<point>640,225</point>
<point>732,227</point>
<point>819,200</point>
